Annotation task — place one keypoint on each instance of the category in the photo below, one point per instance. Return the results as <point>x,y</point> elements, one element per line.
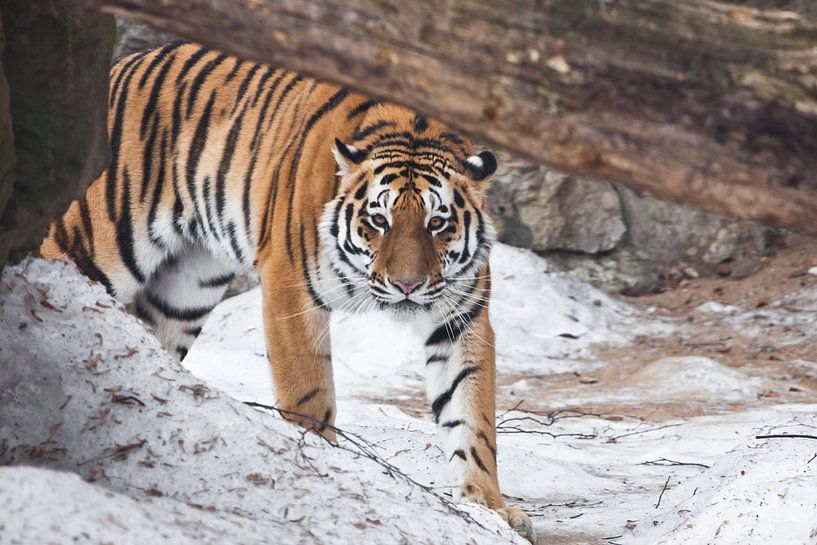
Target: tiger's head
<point>410,218</point>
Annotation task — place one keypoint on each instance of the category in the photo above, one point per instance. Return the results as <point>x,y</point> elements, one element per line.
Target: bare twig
<point>613,439</point>
<point>668,462</point>
<point>786,436</point>
<point>511,425</point>
<point>660,496</point>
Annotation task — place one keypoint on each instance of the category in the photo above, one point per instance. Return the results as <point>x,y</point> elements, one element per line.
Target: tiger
<point>340,203</point>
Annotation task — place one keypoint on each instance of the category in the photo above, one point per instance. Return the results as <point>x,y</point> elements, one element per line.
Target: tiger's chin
<point>406,307</point>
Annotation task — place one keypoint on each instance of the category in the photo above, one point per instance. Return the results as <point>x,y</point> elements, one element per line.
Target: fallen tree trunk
<point>700,102</point>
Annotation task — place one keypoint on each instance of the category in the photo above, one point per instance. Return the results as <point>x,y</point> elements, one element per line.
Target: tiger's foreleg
<point>461,387</point>
<point>298,348</point>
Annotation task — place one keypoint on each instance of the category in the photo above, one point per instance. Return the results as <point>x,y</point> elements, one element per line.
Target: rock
<point>56,60</point>
<point>542,209</point>
<point>614,237</point>
<point>664,231</point>
<point>132,36</point>
<point>746,268</point>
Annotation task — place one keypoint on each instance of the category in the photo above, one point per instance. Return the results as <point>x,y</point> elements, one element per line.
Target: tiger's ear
<point>347,156</point>
<point>481,166</point>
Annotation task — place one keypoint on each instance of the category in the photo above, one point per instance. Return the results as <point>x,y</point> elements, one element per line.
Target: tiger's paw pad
<point>519,521</point>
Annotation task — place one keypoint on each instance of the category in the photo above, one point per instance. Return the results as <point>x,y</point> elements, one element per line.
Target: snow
<point>87,390</point>
<point>590,478</point>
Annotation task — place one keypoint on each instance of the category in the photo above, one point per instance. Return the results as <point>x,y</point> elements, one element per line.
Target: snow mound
<point>759,493</point>
<point>86,389</point>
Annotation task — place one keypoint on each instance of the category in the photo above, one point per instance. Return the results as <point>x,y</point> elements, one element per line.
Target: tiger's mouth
<point>404,306</point>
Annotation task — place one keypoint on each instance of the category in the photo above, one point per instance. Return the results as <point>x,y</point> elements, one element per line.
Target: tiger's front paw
<point>519,521</point>
<point>313,424</point>
<point>515,518</point>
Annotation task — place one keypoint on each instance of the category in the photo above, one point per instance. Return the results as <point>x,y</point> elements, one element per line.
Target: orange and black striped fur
<point>339,202</point>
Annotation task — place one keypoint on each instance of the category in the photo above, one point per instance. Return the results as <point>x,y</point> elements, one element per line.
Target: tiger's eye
<point>380,220</point>
<point>436,223</point>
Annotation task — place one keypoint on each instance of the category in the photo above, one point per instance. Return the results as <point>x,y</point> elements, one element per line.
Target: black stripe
<point>460,453</point>
<point>444,398</point>
<point>361,191</point>
<point>333,102</point>
<point>466,220</point>
<point>242,88</point>
<point>410,164</point>
<point>260,88</point>
<point>127,63</point>
<point>157,192</point>
<point>371,129</point>
<point>143,313</point>
<point>116,143</point>
<point>245,198</point>
<point>436,359</point>
<point>147,159</point>
<point>208,217</point>
<point>484,437</point>
<point>269,208</point>
<point>310,395</point>
<point>452,330</point>
<point>458,200</point>
<point>182,350</point>
<point>361,108</point>
<point>477,459</point>
<point>217,281</point>
<point>452,424</point>
<point>153,98</point>
<point>224,166</point>
<point>239,255</point>
<point>196,149</point>
<point>388,178</point>
<point>192,331</point>
<point>88,227</point>
<point>182,314</point>
<point>124,232</point>
<point>305,265</point>
<point>432,180</point>
<point>84,261</point>
<point>198,81</point>
<point>236,67</point>
<point>176,116</point>
<point>405,135</point>
<point>256,137</point>
<point>193,59</point>
<point>452,137</point>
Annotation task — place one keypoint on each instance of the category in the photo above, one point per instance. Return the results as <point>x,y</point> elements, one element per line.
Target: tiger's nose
<point>407,285</point>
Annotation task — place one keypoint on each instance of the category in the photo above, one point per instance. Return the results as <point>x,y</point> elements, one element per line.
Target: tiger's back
<point>203,146</point>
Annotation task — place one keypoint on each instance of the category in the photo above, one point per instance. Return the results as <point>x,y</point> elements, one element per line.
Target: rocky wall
<point>53,96</point>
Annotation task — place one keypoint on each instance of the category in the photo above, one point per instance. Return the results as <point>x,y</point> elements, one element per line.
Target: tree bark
<point>700,102</point>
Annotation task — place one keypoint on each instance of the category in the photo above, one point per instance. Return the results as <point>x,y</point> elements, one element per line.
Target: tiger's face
<point>410,218</point>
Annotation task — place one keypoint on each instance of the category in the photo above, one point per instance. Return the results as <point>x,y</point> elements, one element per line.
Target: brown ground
<point>776,287</point>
